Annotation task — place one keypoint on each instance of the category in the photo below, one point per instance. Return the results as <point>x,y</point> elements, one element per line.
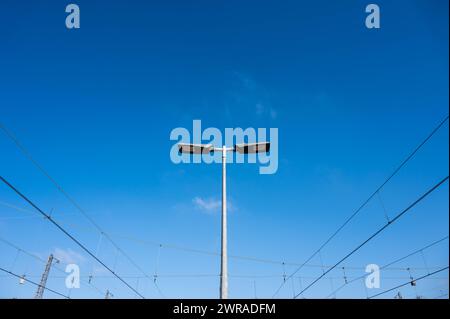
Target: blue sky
<point>95,107</point>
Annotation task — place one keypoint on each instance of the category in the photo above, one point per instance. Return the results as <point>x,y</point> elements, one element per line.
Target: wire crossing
<point>49,218</point>
<point>184,248</point>
<point>325,271</point>
<point>377,232</point>
<point>357,211</point>
<point>189,249</point>
<point>19,249</point>
<point>389,264</point>
<point>33,283</point>
<point>28,155</point>
<point>409,282</point>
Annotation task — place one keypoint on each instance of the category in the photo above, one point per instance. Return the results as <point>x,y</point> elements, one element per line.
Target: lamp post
<point>209,148</point>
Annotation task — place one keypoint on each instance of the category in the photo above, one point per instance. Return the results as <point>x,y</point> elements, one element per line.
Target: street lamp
<point>209,148</point>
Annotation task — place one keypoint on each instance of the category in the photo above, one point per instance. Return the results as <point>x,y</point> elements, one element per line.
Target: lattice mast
<point>41,287</point>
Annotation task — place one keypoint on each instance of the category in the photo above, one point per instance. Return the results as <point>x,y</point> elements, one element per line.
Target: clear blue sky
<point>95,108</point>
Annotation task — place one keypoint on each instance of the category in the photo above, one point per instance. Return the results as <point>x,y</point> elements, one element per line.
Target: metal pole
<point>41,287</point>
<point>224,261</point>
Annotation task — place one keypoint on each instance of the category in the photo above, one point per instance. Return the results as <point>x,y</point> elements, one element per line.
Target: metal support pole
<point>248,148</point>
<point>40,291</point>
<point>224,261</point>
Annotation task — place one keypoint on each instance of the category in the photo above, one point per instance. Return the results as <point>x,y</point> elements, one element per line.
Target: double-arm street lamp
<point>261,147</point>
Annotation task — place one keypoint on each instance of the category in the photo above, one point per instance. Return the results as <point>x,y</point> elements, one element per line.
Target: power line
<point>27,154</point>
<point>429,291</point>
<point>177,247</point>
<point>166,276</point>
<point>377,232</point>
<point>34,283</point>
<point>195,250</point>
<point>20,249</point>
<point>215,275</point>
<point>389,264</point>
<point>240,257</point>
<point>9,205</point>
<point>212,253</point>
<point>49,218</point>
<point>409,282</point>
<point>402,164</point>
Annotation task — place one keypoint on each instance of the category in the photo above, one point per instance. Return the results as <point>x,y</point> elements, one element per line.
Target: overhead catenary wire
<point>408,283</point>
<point>391,263</point>
<point>155,275</point>
<point>22,250</point>
<point>235,276</point>
<point>177,276</point>
<point>57,225</point>
<point>359,209</point>
<point>243,276</point>
<point>196,250</point>
<point>238,257</point>
<point>27,154</point>
<point>47,217</point>
<point>432,189</point>
<point>33,283</point>
<point>429,291</point>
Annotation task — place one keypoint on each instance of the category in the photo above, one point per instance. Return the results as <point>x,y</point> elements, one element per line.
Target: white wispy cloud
<point>211,205</point>
<point>207,205</point>
<point>68,256</point>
